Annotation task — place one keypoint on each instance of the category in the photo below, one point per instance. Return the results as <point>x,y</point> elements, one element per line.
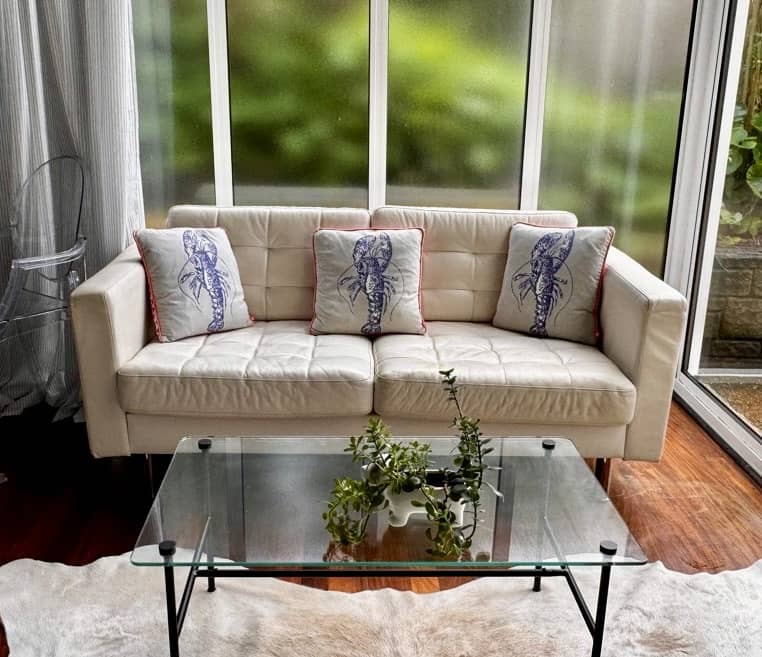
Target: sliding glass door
<point>716,247</point>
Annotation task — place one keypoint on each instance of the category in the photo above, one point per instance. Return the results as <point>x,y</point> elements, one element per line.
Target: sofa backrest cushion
<point>273,247</point>
<point>464,253</point>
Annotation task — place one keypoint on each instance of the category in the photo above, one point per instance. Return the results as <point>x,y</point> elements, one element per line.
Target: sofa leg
<point>603,472</point>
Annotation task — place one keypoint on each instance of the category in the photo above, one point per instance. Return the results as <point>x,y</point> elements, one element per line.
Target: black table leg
<point>167,549</point>
<point>548,445</point>
<point>211,585</point>
<point>609,548</point>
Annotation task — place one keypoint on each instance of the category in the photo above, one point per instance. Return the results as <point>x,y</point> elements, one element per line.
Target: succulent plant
<point>405,467</point>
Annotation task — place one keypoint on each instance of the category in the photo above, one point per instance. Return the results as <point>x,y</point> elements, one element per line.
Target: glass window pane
<point>731,353</point>
<point>614,89</point>
<point>299,101</point>
<point>174,104</point>
<point>457,87</point>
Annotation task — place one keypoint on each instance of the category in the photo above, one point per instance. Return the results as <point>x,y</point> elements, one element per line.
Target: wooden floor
<point>696,510</point>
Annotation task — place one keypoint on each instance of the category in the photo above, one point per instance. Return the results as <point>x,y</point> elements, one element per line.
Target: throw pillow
<point>368,281</point>
<point>193,281</point>
<point>552,281</point>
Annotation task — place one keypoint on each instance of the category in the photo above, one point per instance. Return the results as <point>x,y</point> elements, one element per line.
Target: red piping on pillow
<point>154,307</point>
<point>314,285</point>
<point>597,334</point>
<point>352,230</point>
<point>420,284</point>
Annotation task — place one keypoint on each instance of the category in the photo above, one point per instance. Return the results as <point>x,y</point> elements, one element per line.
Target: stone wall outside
<point>733,329</point>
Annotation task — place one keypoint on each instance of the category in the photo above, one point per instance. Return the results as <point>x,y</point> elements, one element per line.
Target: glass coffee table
<point>252,507</point>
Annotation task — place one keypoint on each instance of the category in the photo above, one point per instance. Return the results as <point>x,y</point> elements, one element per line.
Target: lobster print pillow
<point>193,281</point>
<point>368,281</point>
<point>552,281</point>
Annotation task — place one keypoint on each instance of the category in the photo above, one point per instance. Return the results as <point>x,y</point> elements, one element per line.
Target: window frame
<point>715,62</point>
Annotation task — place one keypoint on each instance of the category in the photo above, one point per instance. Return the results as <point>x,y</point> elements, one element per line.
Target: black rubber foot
<point>204,443</point>
<point>167,548</point>
<point>608,547</point>
<point>548,443</point>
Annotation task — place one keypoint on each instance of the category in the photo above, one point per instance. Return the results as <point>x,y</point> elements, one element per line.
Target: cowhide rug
<point>111,608</point>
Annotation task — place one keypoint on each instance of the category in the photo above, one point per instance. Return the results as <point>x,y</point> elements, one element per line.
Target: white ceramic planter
<point>401,507</point>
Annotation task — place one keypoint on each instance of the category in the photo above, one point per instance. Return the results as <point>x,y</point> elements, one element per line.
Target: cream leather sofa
<point>141,396</point>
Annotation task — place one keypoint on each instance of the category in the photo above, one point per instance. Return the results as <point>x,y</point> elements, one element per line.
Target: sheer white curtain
<point>67,87</point>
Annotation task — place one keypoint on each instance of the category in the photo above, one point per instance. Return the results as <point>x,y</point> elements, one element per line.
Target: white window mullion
<point>539,51</point>
<point>694,149</point>
<point>377,98</point>
<point>220,88</point>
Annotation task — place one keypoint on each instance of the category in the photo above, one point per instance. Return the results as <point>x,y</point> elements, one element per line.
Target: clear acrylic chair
<point>37,358</point>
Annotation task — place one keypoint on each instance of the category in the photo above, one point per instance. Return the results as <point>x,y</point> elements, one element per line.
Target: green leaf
<point>741,139</point>
<point>735,160</point>
<point>756,120</point>
<point>754,179</point>
<point>728,218</point>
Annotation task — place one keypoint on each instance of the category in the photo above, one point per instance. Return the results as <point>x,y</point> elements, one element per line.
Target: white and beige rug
<point>111,608</point>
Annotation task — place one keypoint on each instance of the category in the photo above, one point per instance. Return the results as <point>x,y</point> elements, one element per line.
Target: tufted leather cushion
<point>464,253</point>
<point>273,246</point>
<point>505,377</point>
<point>271,369</point>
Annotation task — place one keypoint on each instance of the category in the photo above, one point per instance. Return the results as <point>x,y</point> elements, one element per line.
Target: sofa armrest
<point>110,319</point>
<point>642,322</point>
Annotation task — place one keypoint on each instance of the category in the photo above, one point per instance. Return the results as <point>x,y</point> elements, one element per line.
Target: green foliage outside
<point>741,214</point>
<point>299,96</point>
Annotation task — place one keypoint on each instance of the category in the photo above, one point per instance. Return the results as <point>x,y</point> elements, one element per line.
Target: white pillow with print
<point>552,281</point>
<point>193,282</point>
<point>368,281</point>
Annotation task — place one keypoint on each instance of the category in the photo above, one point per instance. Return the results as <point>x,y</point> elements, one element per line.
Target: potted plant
<point>397,477</point>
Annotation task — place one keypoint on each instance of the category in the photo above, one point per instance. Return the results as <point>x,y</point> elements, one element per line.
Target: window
<point>420,102</point>
<point>299,101</point>
<point>612,110</point>
<point>174,104</point>
<point>457,89</point>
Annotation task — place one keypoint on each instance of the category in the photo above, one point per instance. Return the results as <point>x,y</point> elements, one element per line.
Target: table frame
<point>176,614</point>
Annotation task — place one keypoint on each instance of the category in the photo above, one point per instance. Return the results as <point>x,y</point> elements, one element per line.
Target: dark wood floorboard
<point>696,510</point>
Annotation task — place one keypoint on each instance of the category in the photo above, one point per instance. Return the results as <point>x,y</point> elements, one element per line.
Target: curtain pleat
<point>67,87</point>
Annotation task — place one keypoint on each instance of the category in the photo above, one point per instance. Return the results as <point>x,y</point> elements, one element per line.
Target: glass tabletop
<point>259,502</point>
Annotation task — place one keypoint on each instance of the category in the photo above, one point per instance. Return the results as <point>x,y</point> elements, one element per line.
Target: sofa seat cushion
<point>271,369</point>
<point>503,377</point>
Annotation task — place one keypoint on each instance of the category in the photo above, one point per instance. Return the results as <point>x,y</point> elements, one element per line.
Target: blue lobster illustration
<point>203,271</point>
<point>371,257</point>
<point>548,257</point>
